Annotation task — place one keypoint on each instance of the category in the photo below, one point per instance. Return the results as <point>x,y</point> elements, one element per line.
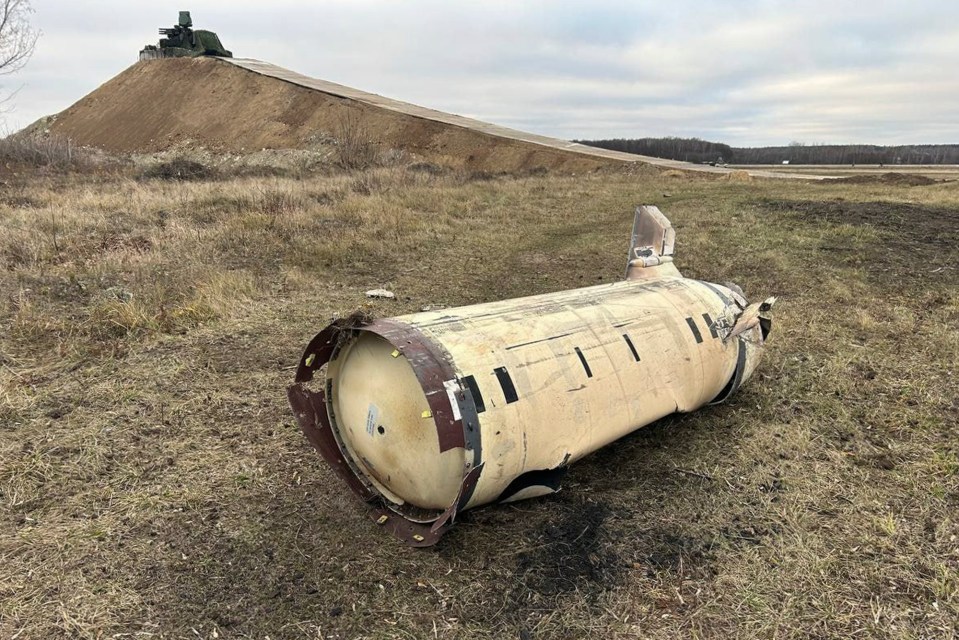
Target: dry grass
<point>354,145</point>
<point>153,482</point>
<point>43,151</point>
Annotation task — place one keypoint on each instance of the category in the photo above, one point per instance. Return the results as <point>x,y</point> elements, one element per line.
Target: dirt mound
<point>890,177</point>
<point>739,176</point>
<point>156,105</point>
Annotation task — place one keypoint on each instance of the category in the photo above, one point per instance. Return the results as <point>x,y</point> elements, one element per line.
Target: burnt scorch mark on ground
<point>674,552</point>
<point>917,242</point>
<point>664,550</point>
<point>573,552</point>
<point>209,560</point>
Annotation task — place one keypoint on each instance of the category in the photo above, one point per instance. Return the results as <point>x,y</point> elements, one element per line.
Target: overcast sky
<point>746,72</point>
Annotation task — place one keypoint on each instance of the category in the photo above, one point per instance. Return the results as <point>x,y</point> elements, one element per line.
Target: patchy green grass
<point>152,480</point>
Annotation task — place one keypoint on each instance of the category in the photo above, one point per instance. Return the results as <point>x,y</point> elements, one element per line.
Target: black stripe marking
<point>631,347</point>
<point>694,329</point>
<point>711,325</point>
<point>582,358</point>
<point>470,383</point>
<point>509,391</point>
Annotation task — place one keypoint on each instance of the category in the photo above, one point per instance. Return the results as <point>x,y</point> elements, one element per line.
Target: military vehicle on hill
<point>183,41</point>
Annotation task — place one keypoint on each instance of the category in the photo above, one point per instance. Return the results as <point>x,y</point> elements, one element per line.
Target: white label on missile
<point>372,414</point>
<point>452,386</point>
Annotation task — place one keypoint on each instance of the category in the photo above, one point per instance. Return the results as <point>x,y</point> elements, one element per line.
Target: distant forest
<point>696,150</point>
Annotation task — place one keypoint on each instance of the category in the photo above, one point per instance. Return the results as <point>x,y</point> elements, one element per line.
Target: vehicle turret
<point>182,41</point>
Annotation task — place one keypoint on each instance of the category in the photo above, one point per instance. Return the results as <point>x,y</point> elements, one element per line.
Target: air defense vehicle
<point>426,415</point>
<point>183,41</point>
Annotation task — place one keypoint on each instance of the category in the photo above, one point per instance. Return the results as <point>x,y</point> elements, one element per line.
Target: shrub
<point>354,147</point>
<point>43,151</point>
<point>179,169</point>
<point>428,168</point>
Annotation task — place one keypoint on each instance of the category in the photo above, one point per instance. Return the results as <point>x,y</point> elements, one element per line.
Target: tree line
<point>687,149</point>
<point>699,151</point>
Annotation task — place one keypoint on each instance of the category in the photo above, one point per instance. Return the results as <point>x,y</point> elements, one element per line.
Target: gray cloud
<point>743,72</point>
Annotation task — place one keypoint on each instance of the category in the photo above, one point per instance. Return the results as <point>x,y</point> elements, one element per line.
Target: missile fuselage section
<point>432,413</point>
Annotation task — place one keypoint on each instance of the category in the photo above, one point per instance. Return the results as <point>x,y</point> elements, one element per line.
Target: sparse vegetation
<point>354,146</point>
<point>43,151</point>
<point>179,169</point>
<point>153,482</point>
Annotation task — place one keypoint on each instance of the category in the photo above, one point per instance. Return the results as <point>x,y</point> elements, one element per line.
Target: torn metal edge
<point>457,428</point>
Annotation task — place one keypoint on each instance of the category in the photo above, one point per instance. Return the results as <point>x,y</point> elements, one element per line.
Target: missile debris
<point>432,413</point>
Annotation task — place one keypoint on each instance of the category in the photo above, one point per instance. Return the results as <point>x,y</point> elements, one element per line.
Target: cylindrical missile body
<point>436,412</point>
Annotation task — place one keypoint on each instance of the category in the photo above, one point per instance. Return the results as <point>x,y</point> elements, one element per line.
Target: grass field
<point>153,482</point>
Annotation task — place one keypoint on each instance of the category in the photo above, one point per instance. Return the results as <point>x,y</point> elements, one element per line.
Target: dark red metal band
<point>309,407</point>
<point>432,367</point>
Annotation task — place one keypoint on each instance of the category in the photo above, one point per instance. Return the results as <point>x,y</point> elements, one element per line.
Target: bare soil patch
<point>894,178</point>
<point>914,241</point>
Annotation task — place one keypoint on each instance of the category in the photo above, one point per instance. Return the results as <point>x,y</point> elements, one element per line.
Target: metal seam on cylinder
<point>526,344</point>
<point>472,434</point>
<point>722,296</point>
<point>740,366</point>
<point>737,377</point>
